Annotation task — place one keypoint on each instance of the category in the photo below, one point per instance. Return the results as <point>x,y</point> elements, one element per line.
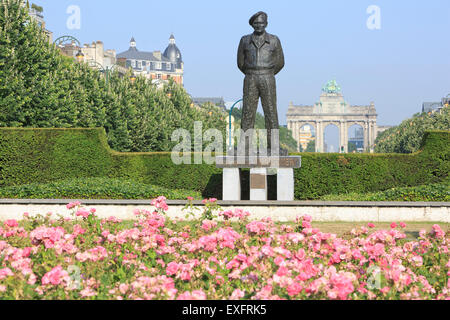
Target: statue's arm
<point>280,57</point>
<point>240,57</point>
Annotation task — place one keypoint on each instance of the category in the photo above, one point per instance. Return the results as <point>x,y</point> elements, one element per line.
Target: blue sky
<point>398,67</point>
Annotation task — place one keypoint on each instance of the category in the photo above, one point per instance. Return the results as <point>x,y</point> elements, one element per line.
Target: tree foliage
<point>352,147</point>
<point>311,146</point>
<point>41,88</point>
<point>408,136</point>
<point>286,139</point>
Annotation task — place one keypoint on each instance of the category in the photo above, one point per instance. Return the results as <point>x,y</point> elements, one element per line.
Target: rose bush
<point>84,257</point>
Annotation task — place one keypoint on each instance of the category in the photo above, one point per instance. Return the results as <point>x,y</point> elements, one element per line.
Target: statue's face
<point>260,24</point>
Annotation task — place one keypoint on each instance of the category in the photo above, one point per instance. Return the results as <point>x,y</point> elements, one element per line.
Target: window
<point>168,67</point>
<point>144,63</point>
<point>158,65</point>
<point>138,64</point>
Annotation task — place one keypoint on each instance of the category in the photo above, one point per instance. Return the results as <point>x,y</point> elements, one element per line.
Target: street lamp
<point>104,70</point>
<point>65,39</point>
<point>74,42</point>
<point>79,56</point>
<point>133,78</point>
<point>231,111</point>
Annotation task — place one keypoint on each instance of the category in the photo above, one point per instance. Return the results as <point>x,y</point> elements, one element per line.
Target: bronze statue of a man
<point>260,58</point>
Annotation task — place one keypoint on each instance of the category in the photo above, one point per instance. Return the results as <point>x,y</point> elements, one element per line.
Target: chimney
<point>157,55</point>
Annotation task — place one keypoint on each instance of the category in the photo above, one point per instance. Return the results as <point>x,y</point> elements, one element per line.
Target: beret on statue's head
<point>256,15</point>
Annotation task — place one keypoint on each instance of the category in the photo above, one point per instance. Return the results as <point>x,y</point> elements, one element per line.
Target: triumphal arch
<point>332,109</point>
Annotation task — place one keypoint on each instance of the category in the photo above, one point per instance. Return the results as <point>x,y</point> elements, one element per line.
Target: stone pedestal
<point>258,184</point>
<point>231,184</point>
<point>285,184</point>
<point>258,176</point>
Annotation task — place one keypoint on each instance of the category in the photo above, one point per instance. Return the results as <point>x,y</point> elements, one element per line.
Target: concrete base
<point>231,184</point>
<point>278,211</point>
<point>285,185</point>
<point>258,184</point>
<point>258,166</point>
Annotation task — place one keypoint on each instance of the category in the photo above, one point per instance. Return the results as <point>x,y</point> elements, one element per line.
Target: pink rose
<point>73,205</point>
<point>55,276</point>
<point>393,225</point>
<point>438,232</point>
<point>123,288</point>
<point>385,290</point>
<point>294,289</point>
<point>306,224</point>
<point>237,294</point>
<point>160,203</point>
<point>11,223</point>
<point>5,272</point>
<point>83,213</point>
<point>172,268</point>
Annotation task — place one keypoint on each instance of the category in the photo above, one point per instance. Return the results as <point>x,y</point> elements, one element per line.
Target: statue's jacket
<point>260,55</point>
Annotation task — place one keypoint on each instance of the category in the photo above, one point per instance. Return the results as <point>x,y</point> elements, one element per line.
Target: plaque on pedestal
<point>258,166</point>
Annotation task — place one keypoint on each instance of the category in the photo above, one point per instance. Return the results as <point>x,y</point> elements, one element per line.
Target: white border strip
<point>277,213</point>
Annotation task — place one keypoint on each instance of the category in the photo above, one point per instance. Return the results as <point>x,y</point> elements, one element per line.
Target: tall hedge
<point>44,155</point>
<point>41,88</point>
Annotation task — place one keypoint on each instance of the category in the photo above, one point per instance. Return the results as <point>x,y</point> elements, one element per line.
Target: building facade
<point>94,55</point>
<point>160,67</point>
<point>306,136</point>
<point>219,102</point>
<point>358,139</point>
<point>36,13</point>
<point>332,109</point>
<point>432,107</point>
<point>96,52</point>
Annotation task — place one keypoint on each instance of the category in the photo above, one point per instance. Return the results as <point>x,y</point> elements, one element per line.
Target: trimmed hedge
<point>434,192</point>
<point>323,174</point>
<point>45,155</point>
<point>94,188</point>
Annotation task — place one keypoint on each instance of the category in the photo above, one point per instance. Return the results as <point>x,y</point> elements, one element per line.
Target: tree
<point>286,139</point>
<point>352,147</point>
<point>36,7</point>
<point>408,136</point>
<point>311,146</point>
<point>39,87</point>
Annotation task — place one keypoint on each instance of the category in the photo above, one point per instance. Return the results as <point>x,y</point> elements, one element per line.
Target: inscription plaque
<point>257,181</point>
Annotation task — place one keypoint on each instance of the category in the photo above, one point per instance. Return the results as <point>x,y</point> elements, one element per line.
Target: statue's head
<point>259,22</point>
